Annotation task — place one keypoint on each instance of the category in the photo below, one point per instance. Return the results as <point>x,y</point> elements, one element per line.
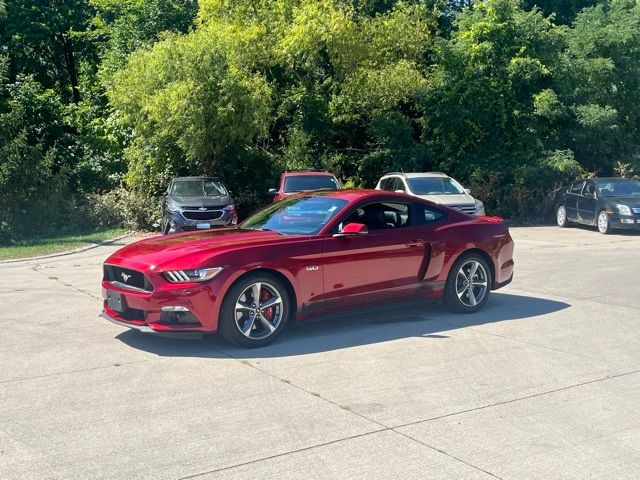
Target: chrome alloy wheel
<point>603,222</point>
<point>258,310</point>
<point>471,283</point>
<point>562,216</point>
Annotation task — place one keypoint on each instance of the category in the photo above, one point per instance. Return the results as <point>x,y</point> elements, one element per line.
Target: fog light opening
<point>179,317</point>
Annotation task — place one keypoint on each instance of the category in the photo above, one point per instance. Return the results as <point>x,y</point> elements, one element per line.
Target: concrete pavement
<point>543,383</point>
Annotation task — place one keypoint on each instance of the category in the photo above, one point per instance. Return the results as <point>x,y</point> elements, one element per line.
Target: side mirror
<point>467,191</point>
<point>352,230</point>
<point>399,191</point>
<point>589,195</point>
<point>273,191</point>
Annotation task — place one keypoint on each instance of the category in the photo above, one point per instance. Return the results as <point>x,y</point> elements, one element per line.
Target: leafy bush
<point>124,208</point>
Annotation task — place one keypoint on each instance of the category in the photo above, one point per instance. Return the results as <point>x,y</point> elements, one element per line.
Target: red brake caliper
<point>264,295</point>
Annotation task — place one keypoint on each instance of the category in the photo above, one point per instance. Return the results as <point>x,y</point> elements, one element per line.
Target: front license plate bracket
<point>115,301</point>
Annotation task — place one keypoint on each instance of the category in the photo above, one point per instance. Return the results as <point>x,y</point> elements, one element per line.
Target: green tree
<point>45,39</point>
<point>599,81</point>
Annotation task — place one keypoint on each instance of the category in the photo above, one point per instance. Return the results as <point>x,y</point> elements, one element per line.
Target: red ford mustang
<point>307,254</point>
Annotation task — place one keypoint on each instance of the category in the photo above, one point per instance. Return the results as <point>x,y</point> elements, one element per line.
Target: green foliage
<point>512,98</point>
<point>123,207</point>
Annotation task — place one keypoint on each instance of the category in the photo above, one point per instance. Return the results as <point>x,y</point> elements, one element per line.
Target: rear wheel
<point>255,310</point>
<point>604,225</point>
<point>468,285</point>
<point>561,216</point>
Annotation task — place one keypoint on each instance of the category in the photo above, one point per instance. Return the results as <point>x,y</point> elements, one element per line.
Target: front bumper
<point>625,222</point>
<point>179,223</point>
<point>197,306</point>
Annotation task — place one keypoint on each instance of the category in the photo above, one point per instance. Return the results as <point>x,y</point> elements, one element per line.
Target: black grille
<point>133,314</point>
<point>128,277</point>
<point>208,215</point>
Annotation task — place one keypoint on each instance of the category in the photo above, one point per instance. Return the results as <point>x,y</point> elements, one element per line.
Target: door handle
<point>415,243</point>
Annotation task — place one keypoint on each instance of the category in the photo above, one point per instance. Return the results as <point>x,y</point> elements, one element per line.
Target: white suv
<point>434,186</point>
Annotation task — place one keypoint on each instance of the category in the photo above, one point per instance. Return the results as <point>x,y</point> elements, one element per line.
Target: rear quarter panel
<point>486,234</point>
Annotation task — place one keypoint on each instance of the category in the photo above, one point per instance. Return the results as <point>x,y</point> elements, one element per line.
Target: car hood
<point>200,201</point>
<point>462,199</point>
<point>631,201</point>
<point>190,250</point>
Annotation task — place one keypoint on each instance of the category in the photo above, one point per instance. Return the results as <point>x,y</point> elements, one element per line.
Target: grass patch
<point>47,245</point>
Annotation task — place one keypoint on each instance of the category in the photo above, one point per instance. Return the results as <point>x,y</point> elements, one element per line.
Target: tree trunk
<point>71,67</point>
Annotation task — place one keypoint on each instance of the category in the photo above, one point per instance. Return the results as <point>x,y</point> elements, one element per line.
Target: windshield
<point>198,188</point>
<point>300,183</point>
<point>619,187</point>
<point>296,216</point>
<point>434,186</point>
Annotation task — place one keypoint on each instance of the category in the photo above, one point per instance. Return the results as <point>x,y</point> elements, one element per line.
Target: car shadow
<point>382,323</point>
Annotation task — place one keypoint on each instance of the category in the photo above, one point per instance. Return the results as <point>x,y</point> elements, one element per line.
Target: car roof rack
<point>293,170</point>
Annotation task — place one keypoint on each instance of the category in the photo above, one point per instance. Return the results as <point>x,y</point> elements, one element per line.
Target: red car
<point>307,254</point>
<point>292,183</point>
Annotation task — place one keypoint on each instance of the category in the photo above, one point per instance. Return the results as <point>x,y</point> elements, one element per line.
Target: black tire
<point>166,226</point>
<point>561,217</point>
<point>452,297</point>
<point>603,224</point>
<point>229,325</point>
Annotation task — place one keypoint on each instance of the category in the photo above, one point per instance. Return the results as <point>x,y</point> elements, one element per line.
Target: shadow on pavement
<point>381,323</point>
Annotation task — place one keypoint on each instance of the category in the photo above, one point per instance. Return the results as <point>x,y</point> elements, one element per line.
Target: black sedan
<point>606,203</point>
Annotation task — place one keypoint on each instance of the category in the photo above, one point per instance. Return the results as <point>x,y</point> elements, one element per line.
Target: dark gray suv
<point>197,203</point>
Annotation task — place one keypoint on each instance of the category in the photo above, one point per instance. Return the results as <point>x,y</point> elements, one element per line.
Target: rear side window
<point>301,183</point>
<point>425,214</point>
<point>576,188</point>
<point>387,184</point>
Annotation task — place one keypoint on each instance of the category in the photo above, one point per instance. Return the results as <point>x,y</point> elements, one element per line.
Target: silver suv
<point>434,186</point>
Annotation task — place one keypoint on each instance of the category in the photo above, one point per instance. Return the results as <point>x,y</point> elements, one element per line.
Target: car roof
<point>356,194</point>
<point>186,179</point>
<point>417,174</point>
<point>307,173</point>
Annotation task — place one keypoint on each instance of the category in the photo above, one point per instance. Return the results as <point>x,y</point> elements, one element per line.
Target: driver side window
<point>589,188</point>
<point>380,216</point>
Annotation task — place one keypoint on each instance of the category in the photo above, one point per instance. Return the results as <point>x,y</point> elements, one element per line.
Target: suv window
<point>387,184</point>
<point>424,214</point>
<point>576,188</point>
<point>398,184</point>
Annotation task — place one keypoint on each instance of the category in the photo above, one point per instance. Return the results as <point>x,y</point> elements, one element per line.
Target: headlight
<point>231,206</point>
<point>173,208</point>
<point>479,208</point>
<point>196,275</point>
<point>624,209</point>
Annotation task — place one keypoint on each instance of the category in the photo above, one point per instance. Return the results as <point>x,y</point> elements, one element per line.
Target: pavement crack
<point>68,372</point>
<point>283,454</point>
<point>383,427</point>
<point>447,454</point>
<point>518,399</point>
<point>35,268</point>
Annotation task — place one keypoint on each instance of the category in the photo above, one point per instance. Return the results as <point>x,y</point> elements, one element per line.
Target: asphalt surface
<point>543,383</point>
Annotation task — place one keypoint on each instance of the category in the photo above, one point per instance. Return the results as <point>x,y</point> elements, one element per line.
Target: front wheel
<point>468,285</point>
<point>561,216</point>
<point>255,310</point>
<point>604,225</point>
